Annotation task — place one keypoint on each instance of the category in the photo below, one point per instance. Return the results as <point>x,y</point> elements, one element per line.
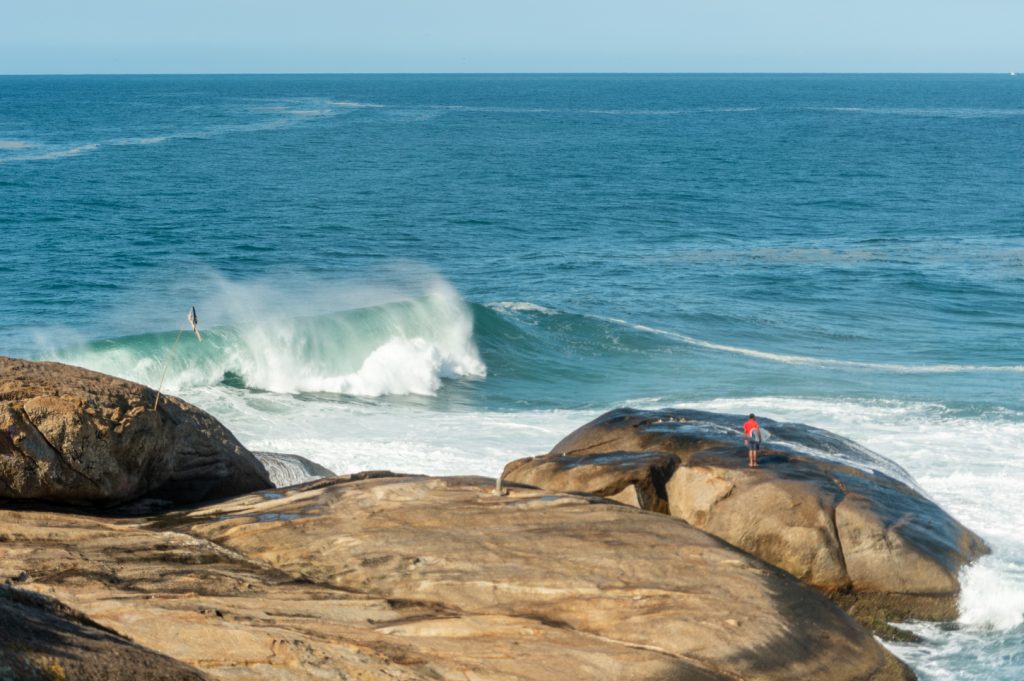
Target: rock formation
<point>820,507</point>
<point>383,576</point>
<point>75,436</point>
<point>42,640</point>
<point>398,577</point>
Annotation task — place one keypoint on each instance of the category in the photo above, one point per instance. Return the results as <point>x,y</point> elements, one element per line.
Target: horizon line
<point>508,73</point>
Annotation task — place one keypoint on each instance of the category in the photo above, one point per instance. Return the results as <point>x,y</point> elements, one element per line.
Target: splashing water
<point>399,348</point>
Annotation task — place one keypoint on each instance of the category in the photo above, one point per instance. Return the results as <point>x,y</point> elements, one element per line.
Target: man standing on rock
<point>752,438</point>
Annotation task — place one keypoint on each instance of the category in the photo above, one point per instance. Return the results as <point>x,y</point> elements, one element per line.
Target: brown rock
<point>75,436</point>
<point>599,570</point>
<point>633,478</point>
<point>419,578</point>
<point>820,507</point>
<point>43,640</point>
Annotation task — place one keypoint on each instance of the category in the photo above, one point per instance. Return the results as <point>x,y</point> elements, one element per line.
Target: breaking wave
<point>410,347</point>
<point>399,348</point>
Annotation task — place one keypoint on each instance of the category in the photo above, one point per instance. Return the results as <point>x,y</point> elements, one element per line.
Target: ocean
<point>439,274</point>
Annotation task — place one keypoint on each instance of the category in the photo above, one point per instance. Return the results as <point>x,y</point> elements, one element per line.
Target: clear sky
<point>271,36</point>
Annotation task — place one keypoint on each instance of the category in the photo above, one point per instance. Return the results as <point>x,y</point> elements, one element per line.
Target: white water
<point>351,436</point>
<point>401,366</point>
<point>434,341</point>
<point>403,347</point>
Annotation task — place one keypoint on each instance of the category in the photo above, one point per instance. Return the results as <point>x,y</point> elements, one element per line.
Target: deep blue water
<point>848,250</point>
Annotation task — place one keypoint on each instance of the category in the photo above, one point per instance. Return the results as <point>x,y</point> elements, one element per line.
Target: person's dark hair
<point>751,416</point>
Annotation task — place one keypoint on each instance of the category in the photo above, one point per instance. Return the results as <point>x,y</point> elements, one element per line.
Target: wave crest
<point>399,348</point>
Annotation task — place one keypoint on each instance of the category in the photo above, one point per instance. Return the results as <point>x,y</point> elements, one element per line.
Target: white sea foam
<point>637,112</point>
<point>992,595</point>
<point>305,108</point>
<point>821,361</point>
<point>352,436</point>
<point>132,141</point>
<point>357,105</point>
<point>521,306</point>
<point>927,112</point>
<point>64,153</point>
<point>401,366</point>
<point>310,112</point>
<point>50,154</point>
<point>53,153</point>
<point>287,116</point>
<point>672,112</point>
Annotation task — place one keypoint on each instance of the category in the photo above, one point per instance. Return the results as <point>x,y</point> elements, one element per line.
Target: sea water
<point>438,274</point>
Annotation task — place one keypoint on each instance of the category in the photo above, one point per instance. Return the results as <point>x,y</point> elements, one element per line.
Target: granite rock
<point>379,576</point>
<point>824,509</point>
<point>76,436</point>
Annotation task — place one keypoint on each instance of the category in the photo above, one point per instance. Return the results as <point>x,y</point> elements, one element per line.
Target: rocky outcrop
<point>397,577</point>
<point>819,506</point>
<point>75,436</point>
<point>43,640</point>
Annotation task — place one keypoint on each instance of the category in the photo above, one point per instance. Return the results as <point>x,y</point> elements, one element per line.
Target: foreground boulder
<point>76,436</point>
<point>819,506</point>
<point>398,577</point>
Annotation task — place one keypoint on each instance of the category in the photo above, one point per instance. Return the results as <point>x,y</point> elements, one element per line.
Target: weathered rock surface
<point>42,640</point>
<point>76,436</point>
<point>397,577</point>
<point>820,507</point>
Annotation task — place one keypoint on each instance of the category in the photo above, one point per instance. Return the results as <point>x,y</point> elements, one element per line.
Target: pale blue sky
<point>264,36</point>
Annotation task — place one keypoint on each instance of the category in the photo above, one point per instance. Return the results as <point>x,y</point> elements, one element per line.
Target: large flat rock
<point>397,577</point>
<point>76,436</point>
<point>824,509</point>
<point>601,571</point>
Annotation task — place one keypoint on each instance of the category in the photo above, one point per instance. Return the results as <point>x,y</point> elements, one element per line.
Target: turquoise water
<point>440,273</point>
